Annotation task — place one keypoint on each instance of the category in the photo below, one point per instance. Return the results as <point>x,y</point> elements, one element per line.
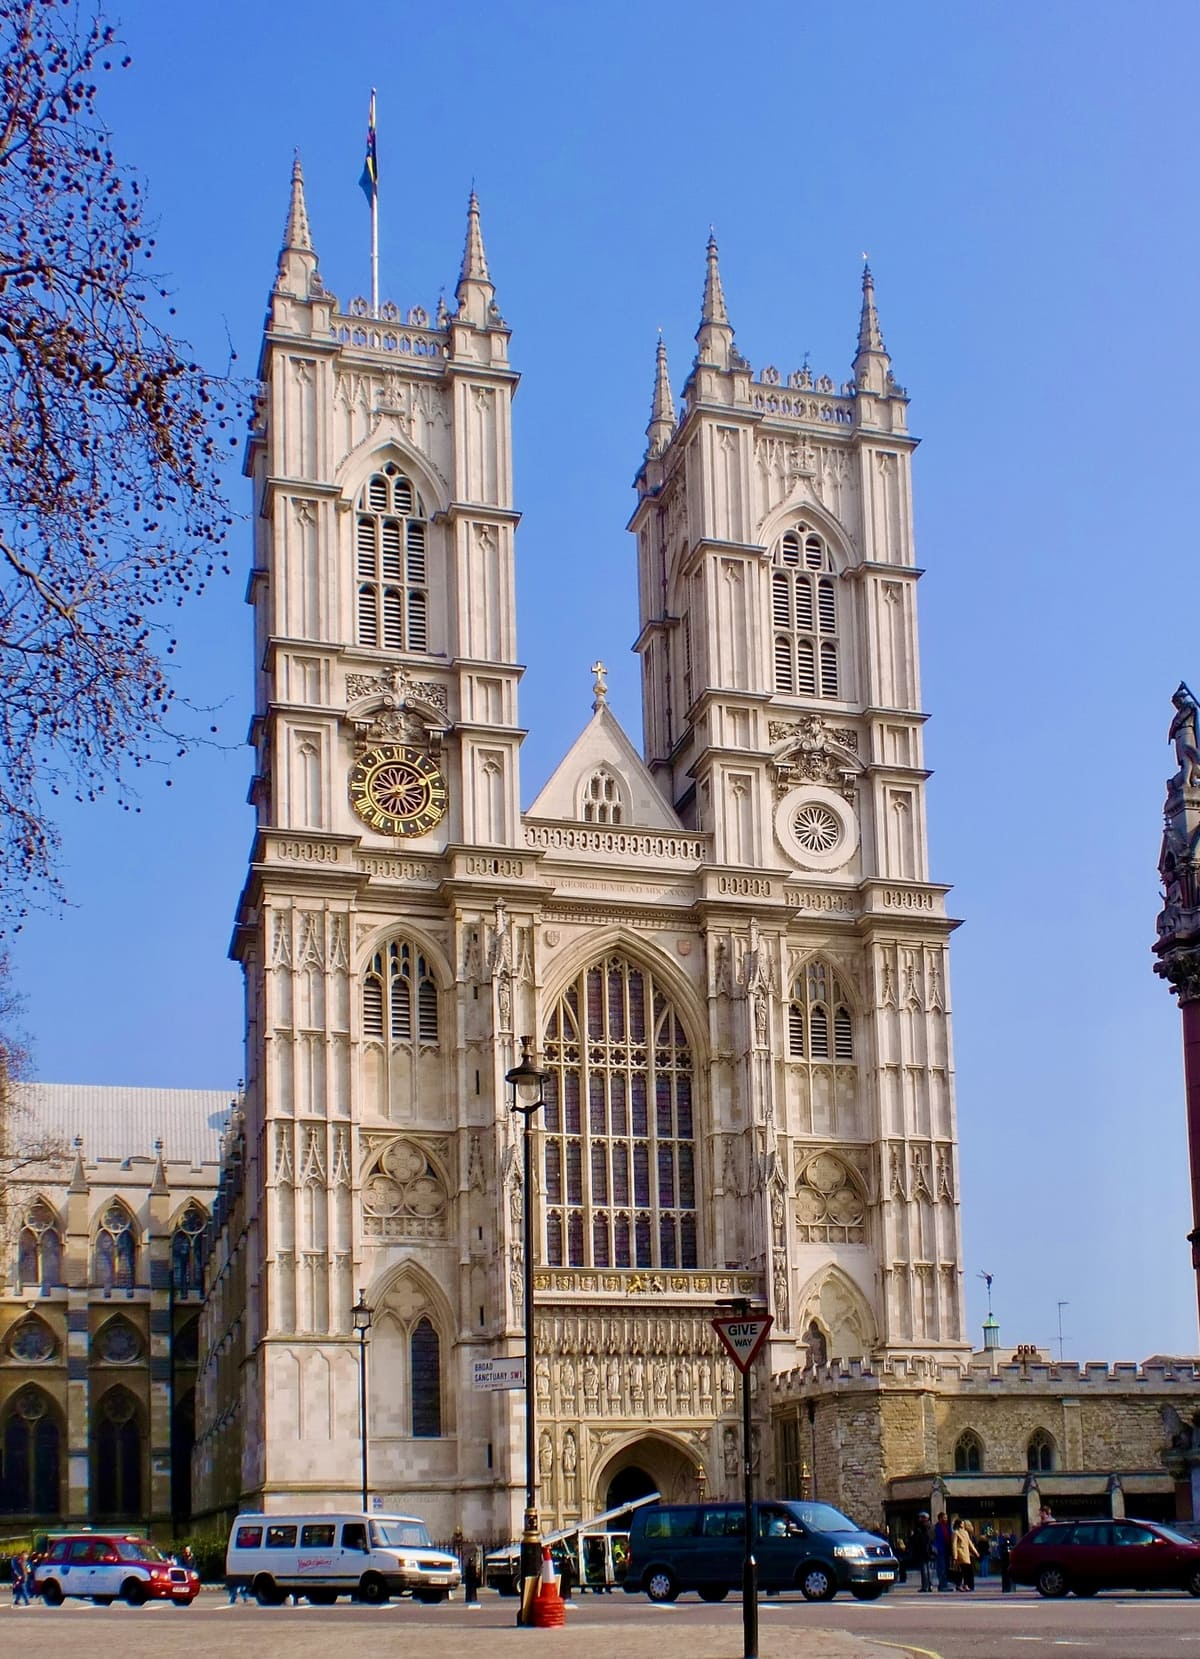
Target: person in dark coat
<point>941,1551</point>
<point>920,1551</point>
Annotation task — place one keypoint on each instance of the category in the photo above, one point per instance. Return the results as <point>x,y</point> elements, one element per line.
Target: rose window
<point>32,1342</point>
<point>816,828</point>
<point>829,1203</point>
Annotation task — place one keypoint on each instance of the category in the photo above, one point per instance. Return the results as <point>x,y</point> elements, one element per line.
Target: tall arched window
<point>400,995</point>
<point>820,1026</point>
<point>117,1456</point>
<point>1039,1454</point>
<point>29,1456</point>
<point>114,1255</point>
<point>804,616</point>
<point>39,1247</point>
<point>618,1147</point>
<point>425,1370</point>
<point>968,1453</point>
<point>389,551</point>
<point>187,1253</point>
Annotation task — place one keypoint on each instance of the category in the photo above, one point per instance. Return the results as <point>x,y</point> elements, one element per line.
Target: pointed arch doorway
<point>650,1464</point>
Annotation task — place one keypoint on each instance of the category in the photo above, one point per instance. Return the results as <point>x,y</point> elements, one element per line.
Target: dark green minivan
<point>810,1547</point>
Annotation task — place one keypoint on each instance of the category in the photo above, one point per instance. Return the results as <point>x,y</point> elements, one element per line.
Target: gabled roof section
<point>603,747</point>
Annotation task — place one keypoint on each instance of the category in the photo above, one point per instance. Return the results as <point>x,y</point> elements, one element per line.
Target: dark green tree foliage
<point>112,449</point>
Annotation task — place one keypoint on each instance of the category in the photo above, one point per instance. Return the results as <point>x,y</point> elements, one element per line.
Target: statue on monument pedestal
<point>1185,737</point>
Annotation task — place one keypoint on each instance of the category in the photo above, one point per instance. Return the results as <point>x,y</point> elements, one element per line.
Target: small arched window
<point>399,997</point>
<point>39,1247</point>
<point>425,1364</point>
<point>601,801</point>
<point>1039,1454</point>
<point>114,1254</point>
<point>968,1453</point>
<point>390,564</point>
<point>805,616</point>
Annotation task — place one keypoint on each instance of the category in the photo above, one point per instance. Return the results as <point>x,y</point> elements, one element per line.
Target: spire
<point>297,273</point>
<point>872,365</point>
<point>79,1181</point>
<point>475,294</point>
<point>158,1184</point>
<point>662,409</point>
<point>296,236</point>
<point>474,259</point>
<point>714,337</point>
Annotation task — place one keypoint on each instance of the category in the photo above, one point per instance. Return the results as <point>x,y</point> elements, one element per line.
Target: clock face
<point>397,790</point>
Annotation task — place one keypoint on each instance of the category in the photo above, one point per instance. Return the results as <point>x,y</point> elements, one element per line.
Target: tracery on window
<point>1039,1454</point>
<point>118,1343</point>
<point>968,1453</point>
<point>830,1204</point>
<point>820,1025</point>
<point>804,616</point>
<point>187,1252</point>
<point>399,996</point>
<point>618,1143</point>
<point>404,1195</point>
<point>390,563</point>
<point>32,1342</point>
<point>39,1247</point>
<point>114,1254</point>
<point>29,1456</point>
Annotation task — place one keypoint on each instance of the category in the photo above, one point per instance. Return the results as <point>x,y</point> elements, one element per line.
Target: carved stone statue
<point>1184,736</point>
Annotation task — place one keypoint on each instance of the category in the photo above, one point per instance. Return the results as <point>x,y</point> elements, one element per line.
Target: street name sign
<point>499,1373</point>
<point>743,1336</point>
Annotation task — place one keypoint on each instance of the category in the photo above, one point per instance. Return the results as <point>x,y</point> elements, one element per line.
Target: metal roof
<point>118,1123</point>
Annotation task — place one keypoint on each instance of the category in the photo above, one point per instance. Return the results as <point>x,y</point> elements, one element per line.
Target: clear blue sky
<point>1023,178</point>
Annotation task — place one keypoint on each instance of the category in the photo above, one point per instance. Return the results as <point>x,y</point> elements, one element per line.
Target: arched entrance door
<point>627,1485</point>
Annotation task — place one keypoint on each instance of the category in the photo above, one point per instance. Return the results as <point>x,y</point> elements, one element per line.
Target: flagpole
<point>374,228</point>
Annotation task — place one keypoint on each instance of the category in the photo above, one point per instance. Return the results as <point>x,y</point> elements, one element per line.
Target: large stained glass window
<point>618,1136</point>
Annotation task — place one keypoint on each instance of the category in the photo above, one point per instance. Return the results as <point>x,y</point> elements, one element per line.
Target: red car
<point>106,1567</point>
<point>1086,1556</point>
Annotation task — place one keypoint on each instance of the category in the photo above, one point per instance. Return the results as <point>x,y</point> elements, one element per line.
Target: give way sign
<point>743,1336</point>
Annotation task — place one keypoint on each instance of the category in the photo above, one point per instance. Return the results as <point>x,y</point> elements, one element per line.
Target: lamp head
<point>362,1314</point>
<point>526,1080</point>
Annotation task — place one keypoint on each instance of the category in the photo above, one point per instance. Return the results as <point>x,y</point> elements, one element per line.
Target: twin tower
<point>726,945</point>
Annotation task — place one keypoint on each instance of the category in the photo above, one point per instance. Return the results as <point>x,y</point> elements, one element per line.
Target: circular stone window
<point>816,828</point>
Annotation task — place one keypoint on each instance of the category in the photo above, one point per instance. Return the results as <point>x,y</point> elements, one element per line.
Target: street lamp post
<point>362,1324</point>
<point>526,1081</point>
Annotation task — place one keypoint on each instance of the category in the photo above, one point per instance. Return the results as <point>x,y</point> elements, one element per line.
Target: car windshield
<point>1175,1537</point>
<point>137,1549</point>
<point>823,1517</point>
<point>398,1534</point>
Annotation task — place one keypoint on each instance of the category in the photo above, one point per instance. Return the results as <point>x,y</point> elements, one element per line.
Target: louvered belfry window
<point>618,1135</point>
<point>391,575</point>
<point>804,617</point>
<point>399,996</point>
<point>820,1025</point>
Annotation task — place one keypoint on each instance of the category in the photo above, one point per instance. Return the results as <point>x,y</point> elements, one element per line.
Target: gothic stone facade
<point>727,949</point>
<point>103,1236</point>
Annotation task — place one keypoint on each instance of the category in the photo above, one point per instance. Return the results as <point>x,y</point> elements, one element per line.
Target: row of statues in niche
<point>617,1384</point>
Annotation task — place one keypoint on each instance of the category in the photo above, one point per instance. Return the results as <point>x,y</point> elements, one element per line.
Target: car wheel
<point>133,1591</point>
<point>1193,1583</point>
<point>321,1598</point>
<point>52,1593</point>
<point>102,1601</point>
<point>866,1592</point>
<point>816,1582</point>
<point>715,1592</point>
<point>1052,1581</point>
<point>430,1597</point>
<point>267,1593</point>
<point>1087,1589</point>
<point>661,1585</point>
<point>372,1590</point>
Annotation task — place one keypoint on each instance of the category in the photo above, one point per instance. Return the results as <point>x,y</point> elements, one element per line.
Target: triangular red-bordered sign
<point>743,1336</point>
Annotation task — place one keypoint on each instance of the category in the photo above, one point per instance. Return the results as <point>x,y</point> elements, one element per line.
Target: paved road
<point>983,1626</point>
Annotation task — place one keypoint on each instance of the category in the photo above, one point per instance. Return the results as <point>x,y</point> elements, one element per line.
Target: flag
<point>369,182</point>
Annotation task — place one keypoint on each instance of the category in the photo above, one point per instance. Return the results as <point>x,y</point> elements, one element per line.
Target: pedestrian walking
<point>964,1553</point>
<point>920,1551</point>
<point>22,1579</point>
<point>471,1577</point>
<point>942,1551</point>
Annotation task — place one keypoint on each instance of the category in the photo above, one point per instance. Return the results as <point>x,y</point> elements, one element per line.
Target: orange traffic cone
<point>549,1610</point>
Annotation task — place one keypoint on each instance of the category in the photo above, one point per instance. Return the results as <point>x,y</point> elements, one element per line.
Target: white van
<point>324,1556</point>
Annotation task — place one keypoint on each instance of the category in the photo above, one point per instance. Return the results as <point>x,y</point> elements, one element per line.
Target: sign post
<point>743,1334</point>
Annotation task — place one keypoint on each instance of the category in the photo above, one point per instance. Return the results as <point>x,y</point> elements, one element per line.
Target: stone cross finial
<point>599,686</point>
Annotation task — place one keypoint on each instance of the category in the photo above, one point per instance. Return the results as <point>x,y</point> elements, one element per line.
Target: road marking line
<point>905,1647</point>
